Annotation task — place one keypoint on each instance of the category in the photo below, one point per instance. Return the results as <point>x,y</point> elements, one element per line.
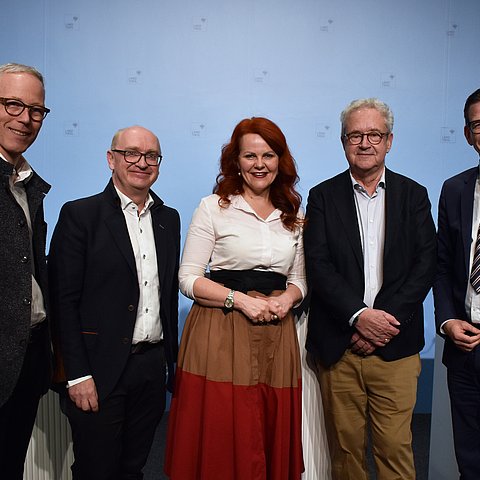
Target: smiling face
<point>18,133</point>
<point>134,179</point>
<point>258,164</point>
<point>366,159</point>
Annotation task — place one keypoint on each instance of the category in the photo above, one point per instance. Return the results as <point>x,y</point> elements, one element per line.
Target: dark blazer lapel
<point>466,214</point>
<point>117,225</point>
<point>393,216</point>
<point>344,201</point>
<point>118,228</point>
<point>159,232</point>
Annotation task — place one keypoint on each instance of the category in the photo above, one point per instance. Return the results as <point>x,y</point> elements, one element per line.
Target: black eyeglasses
<point>474,126</point>
<point>16,107</point>
<point>132,156</point>
<point>356,138</point>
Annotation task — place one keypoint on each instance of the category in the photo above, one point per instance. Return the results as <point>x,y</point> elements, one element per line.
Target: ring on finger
<point>274,317</point>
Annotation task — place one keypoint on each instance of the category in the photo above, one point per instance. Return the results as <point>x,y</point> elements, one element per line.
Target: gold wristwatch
<point>229,300</point>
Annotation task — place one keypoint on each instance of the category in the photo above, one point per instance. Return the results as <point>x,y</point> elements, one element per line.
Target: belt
<point>142,347</point>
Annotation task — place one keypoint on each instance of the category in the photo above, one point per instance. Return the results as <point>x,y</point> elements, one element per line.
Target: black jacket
<point>94,286</point>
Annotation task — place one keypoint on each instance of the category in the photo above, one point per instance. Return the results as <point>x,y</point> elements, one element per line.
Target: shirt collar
<point>23,172</point>
<point>125,201</point>
<point>238,202</point>
<point>358,187</point>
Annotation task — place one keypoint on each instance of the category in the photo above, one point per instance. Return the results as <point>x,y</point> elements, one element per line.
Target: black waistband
<point>246,280</point>
<point>142,347</point>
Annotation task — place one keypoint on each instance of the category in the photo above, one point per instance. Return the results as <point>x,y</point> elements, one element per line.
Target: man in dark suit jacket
<point>113,267</point>
<point>25,353</point>
<point>457,299</point>
<point>370,259</point>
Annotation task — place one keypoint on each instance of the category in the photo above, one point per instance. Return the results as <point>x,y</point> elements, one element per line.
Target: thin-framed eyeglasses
<point>133,156</point>
<point>356,138</point>
<point>15,108</point>
<point>474,126</point>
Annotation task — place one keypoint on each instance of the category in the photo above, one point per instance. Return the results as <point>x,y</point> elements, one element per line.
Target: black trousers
<point>464,390</point>
<point>114,443</point>
<point>17,415</point>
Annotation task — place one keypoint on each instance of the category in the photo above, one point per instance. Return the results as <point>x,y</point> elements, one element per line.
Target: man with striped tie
<point>457,298</point>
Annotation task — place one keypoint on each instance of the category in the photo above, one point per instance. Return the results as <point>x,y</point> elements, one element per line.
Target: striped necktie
<point>475,273</point>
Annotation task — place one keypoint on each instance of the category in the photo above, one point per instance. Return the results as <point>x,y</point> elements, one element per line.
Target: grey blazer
<point>16,260</point>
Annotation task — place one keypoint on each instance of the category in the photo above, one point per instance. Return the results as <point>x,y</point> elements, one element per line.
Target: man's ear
<point>110,160</point>
<point>468,134</point>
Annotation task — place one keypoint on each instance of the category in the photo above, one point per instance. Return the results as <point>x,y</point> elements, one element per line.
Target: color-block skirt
<point>236,411</point>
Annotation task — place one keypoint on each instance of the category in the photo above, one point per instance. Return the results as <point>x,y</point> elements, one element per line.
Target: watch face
<point>228,303</point>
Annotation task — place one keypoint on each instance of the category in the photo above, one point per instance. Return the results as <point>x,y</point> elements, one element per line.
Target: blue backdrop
<point>191,69</point>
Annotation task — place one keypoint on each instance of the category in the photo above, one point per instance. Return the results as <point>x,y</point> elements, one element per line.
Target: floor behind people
<point>421,446</point>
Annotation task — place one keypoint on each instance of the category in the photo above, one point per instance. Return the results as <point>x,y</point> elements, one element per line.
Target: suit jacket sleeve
<point>173,320</point>
<point>455,212</point>
<point>67,271</point>
<point>409,275</point>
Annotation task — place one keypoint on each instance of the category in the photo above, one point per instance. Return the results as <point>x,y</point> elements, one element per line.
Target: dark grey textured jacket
<point>15,277</point>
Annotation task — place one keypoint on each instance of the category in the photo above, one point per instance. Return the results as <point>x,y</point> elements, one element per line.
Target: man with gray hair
<point>370,260</point>
<point>25,355</point>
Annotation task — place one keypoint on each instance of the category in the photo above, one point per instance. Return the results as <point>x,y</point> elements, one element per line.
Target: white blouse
<point>236,238</point>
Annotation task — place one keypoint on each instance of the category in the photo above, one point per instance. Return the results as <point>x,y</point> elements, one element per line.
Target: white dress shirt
<point>236,238</point>
<point>472,298</point>
<point>371,225</point>
<point>148,327</point>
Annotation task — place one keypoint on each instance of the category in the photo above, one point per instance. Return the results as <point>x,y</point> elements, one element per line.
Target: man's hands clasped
<point>375,328</point>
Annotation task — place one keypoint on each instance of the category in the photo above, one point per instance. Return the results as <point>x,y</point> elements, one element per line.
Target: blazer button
<point>131,308</point>
<point>21,223</point>
<point>125,340</point>
<point>27,302</point>
<point>24,259</point>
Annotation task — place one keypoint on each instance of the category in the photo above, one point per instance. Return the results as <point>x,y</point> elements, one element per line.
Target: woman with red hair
<point>236,412</point>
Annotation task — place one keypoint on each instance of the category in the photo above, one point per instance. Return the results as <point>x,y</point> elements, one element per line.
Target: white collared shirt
<point>371,225</point>
<point>17,183</point>
<point>472,298</point>
<point>236,238</point>
<point>148,327</point>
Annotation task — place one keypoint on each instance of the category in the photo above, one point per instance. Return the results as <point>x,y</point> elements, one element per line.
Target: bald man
<point>113,267</point>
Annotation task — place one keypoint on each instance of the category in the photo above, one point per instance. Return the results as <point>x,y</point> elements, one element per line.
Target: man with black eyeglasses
<point>370,260</point>
<point>113,267</point>
<point>25,354</point>
<point>457,298</point>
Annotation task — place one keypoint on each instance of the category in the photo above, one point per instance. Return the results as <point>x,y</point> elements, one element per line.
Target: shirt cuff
<point>355,315</point>
<point>76,381</point>
<point>442,331</point>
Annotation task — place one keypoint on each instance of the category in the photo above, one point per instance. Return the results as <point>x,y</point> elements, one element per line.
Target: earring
<point>239,174</point>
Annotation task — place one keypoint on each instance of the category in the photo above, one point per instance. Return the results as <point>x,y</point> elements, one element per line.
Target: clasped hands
<point>263,309</point>
<point>374,329</point>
